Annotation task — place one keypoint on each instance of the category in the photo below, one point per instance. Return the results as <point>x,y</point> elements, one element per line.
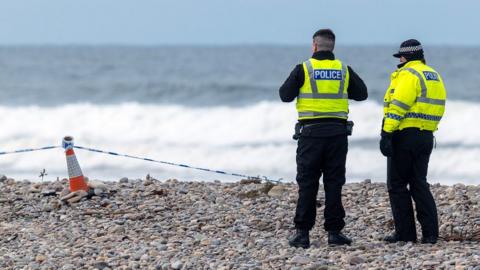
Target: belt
<point>322,123</point>
<point>414,129</point>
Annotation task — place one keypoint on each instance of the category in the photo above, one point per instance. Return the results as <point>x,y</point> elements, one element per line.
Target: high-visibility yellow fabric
<point>415,98</point>
<point>324,92</point>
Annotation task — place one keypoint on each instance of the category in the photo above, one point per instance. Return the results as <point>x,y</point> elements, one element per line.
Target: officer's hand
<point>386,146</point>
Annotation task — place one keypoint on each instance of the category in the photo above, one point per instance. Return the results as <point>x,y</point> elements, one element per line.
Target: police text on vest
<point>430,76</point>
<point>327,74</point>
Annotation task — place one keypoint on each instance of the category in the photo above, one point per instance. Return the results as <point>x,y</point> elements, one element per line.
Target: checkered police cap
<point>411,47</point>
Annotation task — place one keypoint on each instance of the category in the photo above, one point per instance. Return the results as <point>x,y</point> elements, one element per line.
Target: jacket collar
<point>323,55</point>
<point>410,64</point>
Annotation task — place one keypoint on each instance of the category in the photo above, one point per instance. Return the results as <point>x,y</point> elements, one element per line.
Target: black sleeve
<point>291,87</point>
<point>357,90</point>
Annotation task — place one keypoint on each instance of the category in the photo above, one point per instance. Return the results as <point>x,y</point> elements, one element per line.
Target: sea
<point>214,107</point>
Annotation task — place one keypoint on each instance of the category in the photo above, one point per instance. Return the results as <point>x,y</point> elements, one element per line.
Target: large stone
<point>34,190</point>
<point>95,184</point>
<point>49,192</point>
<point>74,197</point>
<point>176,265</point>
<point>40,258</point>
<point>101,265</point>
<point>277,191</point>
<point>300,260</point>
<point>430,263</point>
<point>354,260</point>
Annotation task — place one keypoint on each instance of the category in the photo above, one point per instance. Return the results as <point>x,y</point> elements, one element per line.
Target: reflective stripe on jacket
<point>415,98</point>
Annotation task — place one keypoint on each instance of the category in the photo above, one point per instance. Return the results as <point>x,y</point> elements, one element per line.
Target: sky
<point>225,22</point>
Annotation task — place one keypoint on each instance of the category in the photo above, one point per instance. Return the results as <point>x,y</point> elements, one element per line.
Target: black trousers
<point>408,167</point>
<point>317,156</point>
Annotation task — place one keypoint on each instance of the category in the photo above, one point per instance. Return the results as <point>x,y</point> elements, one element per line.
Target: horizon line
<point>260,44</point>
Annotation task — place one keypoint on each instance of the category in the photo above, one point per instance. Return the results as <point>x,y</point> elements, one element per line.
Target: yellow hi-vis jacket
<point>324,91</point>
<point>415,98</point>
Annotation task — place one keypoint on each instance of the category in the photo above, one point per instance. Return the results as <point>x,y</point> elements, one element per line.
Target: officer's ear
<point>314,47</point>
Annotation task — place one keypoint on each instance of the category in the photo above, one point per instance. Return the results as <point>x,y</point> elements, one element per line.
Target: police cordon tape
<point>144,159</point>
<point>176,164</point>
<point>28,150</point>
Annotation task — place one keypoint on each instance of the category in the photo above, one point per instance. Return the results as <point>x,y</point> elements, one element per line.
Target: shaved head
<point>324,40</point>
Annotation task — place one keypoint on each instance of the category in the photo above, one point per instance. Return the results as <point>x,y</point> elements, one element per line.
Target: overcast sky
<point>220,22</point>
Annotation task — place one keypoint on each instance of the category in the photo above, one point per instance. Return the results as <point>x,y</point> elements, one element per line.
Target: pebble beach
<point>171,224</point>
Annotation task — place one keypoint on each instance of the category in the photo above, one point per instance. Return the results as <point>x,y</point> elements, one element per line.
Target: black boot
<point>300,239</point>
<point>429,240</point>
<point>338,238</point>
<point>394,238</point>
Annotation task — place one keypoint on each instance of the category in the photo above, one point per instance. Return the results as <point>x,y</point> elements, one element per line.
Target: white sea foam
<point>254,140</point>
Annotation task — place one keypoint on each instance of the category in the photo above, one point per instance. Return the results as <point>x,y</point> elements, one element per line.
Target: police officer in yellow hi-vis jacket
<point>322,86</point>
<point>413,106</point>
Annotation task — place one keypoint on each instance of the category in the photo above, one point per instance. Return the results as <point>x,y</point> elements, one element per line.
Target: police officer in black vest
<point>322,86</point>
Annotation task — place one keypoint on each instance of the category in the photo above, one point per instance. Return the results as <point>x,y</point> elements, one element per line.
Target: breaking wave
<point>254,140</point>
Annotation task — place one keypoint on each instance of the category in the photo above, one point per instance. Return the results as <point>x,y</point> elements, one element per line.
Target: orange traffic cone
<point>77,181</point>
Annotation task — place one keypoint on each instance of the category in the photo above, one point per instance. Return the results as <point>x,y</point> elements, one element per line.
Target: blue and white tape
<point>28,150</point>
<point>140,158</point>
<point>176,164</point>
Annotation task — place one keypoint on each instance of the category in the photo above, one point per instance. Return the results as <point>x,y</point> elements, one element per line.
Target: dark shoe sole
<point>391,241</point>
<point>299,246</point>
<point>429,242</point>
<point>397,241</point>
<point>339,244</point>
